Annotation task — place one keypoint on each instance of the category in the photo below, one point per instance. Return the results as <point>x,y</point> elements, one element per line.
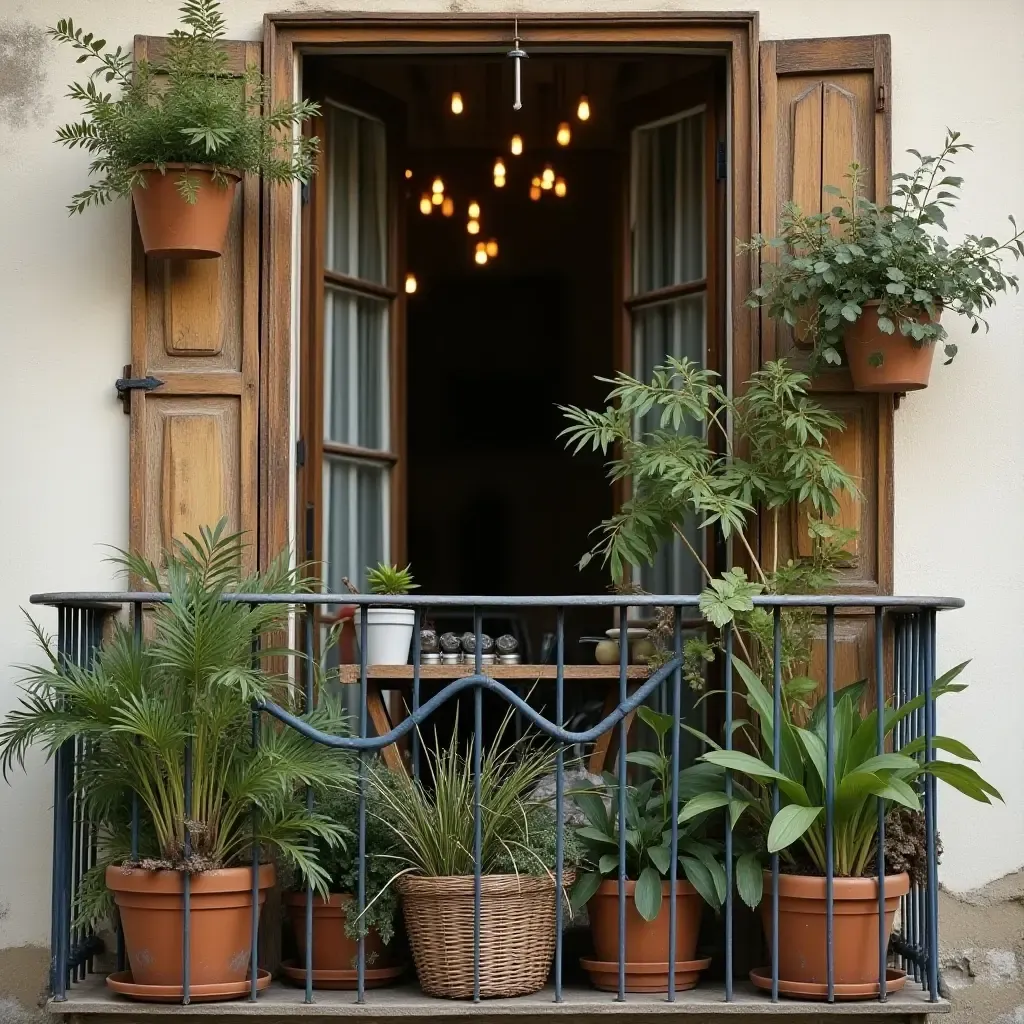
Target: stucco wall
<point>64,334</point>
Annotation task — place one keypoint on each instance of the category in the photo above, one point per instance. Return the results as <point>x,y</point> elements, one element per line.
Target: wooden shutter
<point>826,103</point>
<point>195,328</point>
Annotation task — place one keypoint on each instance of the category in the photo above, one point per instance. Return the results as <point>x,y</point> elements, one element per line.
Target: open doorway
<point>461,285</point>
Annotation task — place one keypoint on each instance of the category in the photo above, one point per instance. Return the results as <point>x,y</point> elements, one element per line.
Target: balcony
<point>731,938</point>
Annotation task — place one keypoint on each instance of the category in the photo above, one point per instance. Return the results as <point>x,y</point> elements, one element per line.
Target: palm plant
<point>191,681</point>
<point>861,775</point>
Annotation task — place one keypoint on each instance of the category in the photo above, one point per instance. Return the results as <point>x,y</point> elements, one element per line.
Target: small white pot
<point>388,635</point>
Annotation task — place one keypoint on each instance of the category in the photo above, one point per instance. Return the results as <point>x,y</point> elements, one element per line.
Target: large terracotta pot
<point>152,909</point>
<point>333,950</point>
<point>171,227</point>
<point>905,366</point>
<point>802,926</point>
<point>647,942</point>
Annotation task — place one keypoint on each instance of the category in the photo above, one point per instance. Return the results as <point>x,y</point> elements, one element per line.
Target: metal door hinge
<point>310,522</point>
<point>300,452</point>
<point>127,384</point>
<point>880,100</point>
<point>721,162</point>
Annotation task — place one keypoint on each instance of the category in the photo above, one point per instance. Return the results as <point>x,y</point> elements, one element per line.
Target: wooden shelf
<point>438,673</point>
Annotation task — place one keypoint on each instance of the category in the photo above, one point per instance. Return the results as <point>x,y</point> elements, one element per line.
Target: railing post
<point>254,923</point>
<point>777,765</point>
<point>478,726</point>
<point>932,885</point>
<point>830,799</point>
<point>361,886</point>
<point>677,647</point>
<point>623,781</point>
<point>559,794</point>
<point>61,896</point>
<point>728,816</point>
<point>880,709</point>
<point>307,675</point>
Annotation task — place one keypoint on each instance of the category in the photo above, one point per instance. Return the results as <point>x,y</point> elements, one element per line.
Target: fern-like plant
<point>191,108</point>
<point>190,679</point>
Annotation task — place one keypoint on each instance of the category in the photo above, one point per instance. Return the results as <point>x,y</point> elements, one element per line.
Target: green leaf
<point>700,878</point>
<point>749,879</point>
<point>608,863</point>
<point>647,894</point>
<point>596,836</point>
<point>738,761</point>
<point>646,759</point>
<point>963,778</point>
<point>701,804</point>
<point>815,749</point>
<point>661,858</point>
<point>947,743</point>
<point>591,803</point>
<point>585,887</point>
<point>887,762</point>
<point>654,720</point>
<point>789,825</point>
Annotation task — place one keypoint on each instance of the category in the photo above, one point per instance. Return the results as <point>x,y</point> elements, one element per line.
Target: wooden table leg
<point>607,744</point>
<point>382,725</point>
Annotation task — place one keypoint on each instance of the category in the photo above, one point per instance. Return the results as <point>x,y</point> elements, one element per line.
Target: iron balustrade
<point>910,675</point>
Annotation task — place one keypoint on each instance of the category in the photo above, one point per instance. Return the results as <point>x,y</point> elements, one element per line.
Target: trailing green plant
<point>389,579</point>
<point>825,266</point>
<point>189,679</point>
<point>432,822</point>
<point>715,459</point>
<point>192,108</point>
<point>648,830</point>
<point>861,776</point>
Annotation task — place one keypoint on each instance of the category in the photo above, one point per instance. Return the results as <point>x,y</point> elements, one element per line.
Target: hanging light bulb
<point>583,110</point>
<point>560,187</point>
<point>425,205</point>
<point>535,182</point>
<point>499,182</point>
<point>491,248</point>
<point>410,284</point>
<point>457,103</point>
<point>448,206</point>
<point>535,192</point>
<point>481,256</point>
<point>437,198</point>
<point>516,145</point>
<point>438,186</point>
<point>408,173</point>
<point>473,227</point>
<point>473,210</point>
<point>564,134</point>
<point>499,168</point>
<point>547,178</point>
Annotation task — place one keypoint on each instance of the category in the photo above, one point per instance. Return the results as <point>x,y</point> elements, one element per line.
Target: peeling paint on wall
<point>24,49</point>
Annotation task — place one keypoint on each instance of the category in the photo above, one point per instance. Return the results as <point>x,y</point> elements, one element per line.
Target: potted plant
<point>433,829</point>
<point>388,629</point>
<point>701,876</point>
<point>797,831</point>
<point>190,681</point>
<point>870,282</point>
<point>337,924</point>
<point>179,137</point>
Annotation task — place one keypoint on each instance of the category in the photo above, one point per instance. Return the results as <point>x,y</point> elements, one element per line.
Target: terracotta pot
<point>152,909</point>
<point>647,942</point>
<point>333,950</point>
<point>802,920</point>
<point>172,228</point>
<point>904,367</point>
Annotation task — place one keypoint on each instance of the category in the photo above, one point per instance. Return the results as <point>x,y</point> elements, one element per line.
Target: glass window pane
<point>668,217</point>
<point>356,374</point>
<point>356,520</point>
<point>357,195</point>
<point>671,329</point>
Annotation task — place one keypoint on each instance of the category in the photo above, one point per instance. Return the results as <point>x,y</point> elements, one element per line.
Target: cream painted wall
<point>64,329</point>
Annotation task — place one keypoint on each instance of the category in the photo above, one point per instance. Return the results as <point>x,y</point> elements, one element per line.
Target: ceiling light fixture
<point>547,178</point>
<point>492,248</point>
<point>473,210</point>
<point>425,204</point>
<point>473,227</point>
<point>437,198</point>
<point>408,173</point>
<point>583,110</point>
<point>564,134</point>
<point>481,256</point>
<point>410,284</point>
<point>438,186</point>
<point>499,168</point>
<point>535,192</point>
<point>516,145</point>
<point>457,103</point>
<point>560,187</point>
<point>448,206</point>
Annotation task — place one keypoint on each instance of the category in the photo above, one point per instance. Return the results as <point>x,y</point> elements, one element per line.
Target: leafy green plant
<point>715,459</point>
<point>797,831</point>
<point>648,830</point>
<point>432,823</point>
<point>191,109</point>
<point>341,863</point>
<point>192,679</point>
<point>389,579</point>
<point>830,264</point>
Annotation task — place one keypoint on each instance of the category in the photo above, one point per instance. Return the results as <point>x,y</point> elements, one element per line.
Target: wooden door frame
<point>286,37</point>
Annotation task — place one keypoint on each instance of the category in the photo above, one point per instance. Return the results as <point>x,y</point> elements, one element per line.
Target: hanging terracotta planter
<point>151,905</point>
<point>647,942</point>
<point>803,963</point>
<point>173,228</point>
<point>905,366</point>
<point>334,953</point>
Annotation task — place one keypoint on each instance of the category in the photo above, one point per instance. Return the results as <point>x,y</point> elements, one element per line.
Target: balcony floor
<point>92,1000</point>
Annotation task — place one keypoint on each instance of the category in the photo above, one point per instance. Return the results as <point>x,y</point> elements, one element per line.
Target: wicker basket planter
<point>517,933</point>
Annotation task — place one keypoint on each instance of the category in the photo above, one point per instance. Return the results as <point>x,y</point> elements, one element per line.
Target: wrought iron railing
<point>904,657</point>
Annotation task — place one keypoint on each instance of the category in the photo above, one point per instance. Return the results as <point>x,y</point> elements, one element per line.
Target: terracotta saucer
<point>604,975</point>
<point>121,982</point>
<point>375,977</point>
<point>894,981</point>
